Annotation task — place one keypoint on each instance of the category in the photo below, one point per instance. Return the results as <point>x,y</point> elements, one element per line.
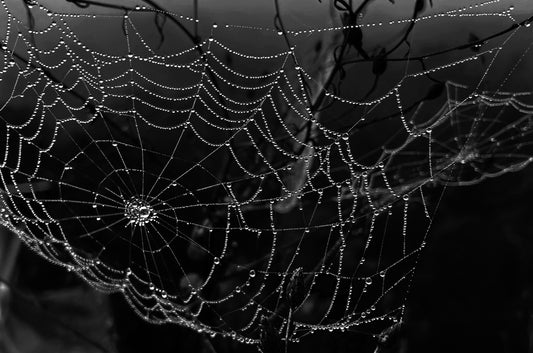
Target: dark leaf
<point>354,36</point>
<point>229,59</point>
<point>420,6</point>
<point>380,63</point>
<point>80,4</point>
<point>318,46</point>
<point>160,25</point>
<point>391,339</point>
<point>296,288</point>
<point>269,338</point>
<point>67,320</point>
<point>435,91</point>
<point>342,5</point>
<point>294,179</point>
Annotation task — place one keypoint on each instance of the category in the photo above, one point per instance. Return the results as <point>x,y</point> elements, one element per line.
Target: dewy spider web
<point>211,195</point>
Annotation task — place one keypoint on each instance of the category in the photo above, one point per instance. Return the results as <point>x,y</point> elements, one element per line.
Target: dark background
<point>471,292</point>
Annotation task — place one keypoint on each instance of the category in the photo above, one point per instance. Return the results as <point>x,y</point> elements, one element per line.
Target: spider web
<point>201,183</point>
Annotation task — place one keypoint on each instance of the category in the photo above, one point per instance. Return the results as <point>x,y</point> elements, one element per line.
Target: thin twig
<point>444,51</point>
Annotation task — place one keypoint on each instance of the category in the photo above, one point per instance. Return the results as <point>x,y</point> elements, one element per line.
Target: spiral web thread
<point>211,195</point>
